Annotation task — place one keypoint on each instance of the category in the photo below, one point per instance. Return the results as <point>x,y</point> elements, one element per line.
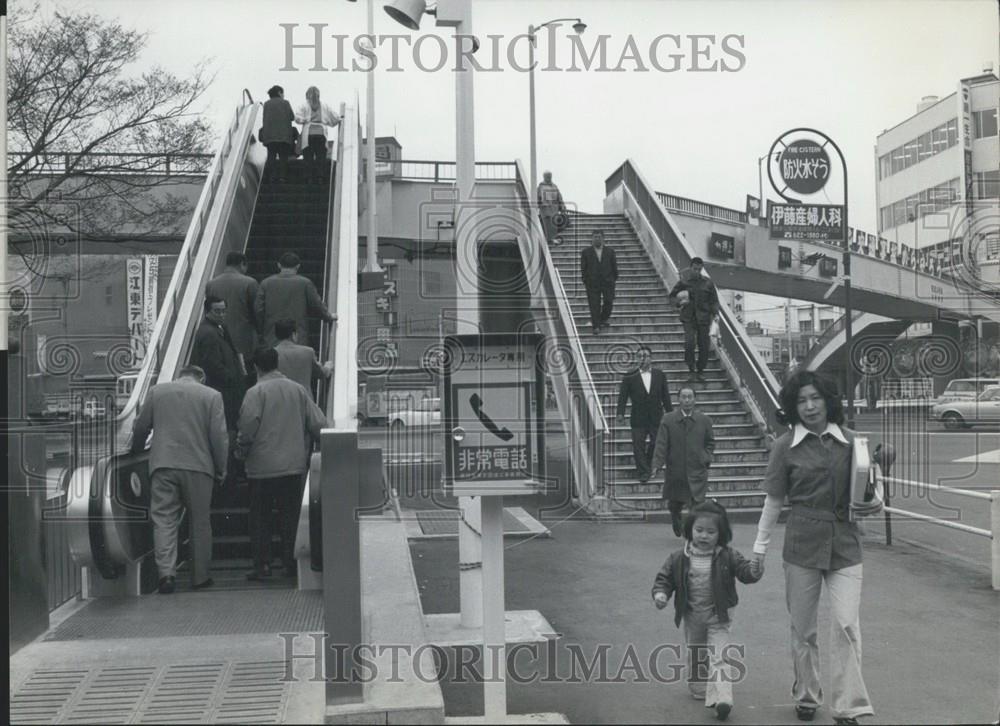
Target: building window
<point>952,132</point>
<point>992,245</point>
<point>805,326</point>
<point>109,297</point>
<point>923,147</point>
<point>984,123</point>
<point>987,184</point>
<point>931,200</point>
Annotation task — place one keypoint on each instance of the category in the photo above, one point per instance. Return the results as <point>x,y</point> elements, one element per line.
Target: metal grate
<point>196,614</point>
<point>44,695</point>
<point>252,692</point>
<point>445,521</point>
<point>183,693</point>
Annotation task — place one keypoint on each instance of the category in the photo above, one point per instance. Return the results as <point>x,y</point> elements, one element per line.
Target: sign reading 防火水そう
<point>804,166</point>
<point>493,414</point>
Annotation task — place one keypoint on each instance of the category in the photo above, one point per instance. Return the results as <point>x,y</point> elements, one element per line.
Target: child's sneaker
<point>722,710</point>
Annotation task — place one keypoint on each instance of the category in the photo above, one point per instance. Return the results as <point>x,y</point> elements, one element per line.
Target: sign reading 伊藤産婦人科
<point>493,415</point>
<point>806,221</point>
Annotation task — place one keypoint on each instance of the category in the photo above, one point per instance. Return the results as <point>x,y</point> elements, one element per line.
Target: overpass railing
<point>829,334</point>
<point>694,208</point>
<point>441,171</point>
<point>113,163</point>
<point>757,384</point>
<point>573,385</point>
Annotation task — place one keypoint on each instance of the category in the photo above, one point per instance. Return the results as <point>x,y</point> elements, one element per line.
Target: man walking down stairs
<point>645,316</point>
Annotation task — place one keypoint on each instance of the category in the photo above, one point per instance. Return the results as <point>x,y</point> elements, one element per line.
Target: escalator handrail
<point>341,404</point>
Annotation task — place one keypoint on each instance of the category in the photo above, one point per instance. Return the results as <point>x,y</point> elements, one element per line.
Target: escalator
<point>108,499</point>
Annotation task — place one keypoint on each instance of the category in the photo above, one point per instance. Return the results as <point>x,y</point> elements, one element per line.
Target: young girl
<point>702,577</point>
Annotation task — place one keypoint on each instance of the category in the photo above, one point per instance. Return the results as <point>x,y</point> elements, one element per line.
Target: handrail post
<point>995,531</point>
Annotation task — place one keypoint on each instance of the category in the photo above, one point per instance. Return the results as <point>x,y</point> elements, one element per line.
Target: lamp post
<point>579,26</point>
<point>371,239</point>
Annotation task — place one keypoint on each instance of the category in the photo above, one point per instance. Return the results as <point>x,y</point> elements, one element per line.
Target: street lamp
<point>458,14</point>
<point>579,26</point>
<point>371,239</point>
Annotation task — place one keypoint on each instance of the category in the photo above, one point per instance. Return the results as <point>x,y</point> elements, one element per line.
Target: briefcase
<point>867,486</point>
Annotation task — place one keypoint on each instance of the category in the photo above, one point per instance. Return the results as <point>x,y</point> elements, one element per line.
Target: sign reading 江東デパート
<point>804,166</point>
<point>492,415</point>
<point>806,221</point>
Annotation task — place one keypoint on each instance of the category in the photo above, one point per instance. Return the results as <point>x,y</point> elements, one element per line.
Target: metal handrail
<point>248,96</point>
<point>587,426</point>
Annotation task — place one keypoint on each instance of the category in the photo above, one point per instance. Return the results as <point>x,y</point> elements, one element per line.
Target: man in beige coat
<point>189,450</point>
<point>278,423</point>
<point>298,362</point>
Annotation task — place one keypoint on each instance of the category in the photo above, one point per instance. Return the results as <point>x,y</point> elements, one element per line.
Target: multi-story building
<point>938,175</point>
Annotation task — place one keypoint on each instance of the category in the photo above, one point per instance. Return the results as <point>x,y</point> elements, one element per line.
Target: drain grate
<point>183,693</point>
<point>254,693</point>
<point>445,521</point>
<point>249,692</point>
<point>43,696</point>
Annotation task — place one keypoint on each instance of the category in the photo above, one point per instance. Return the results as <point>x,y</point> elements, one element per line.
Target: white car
<point>963,413</point>
<point>427,413</point>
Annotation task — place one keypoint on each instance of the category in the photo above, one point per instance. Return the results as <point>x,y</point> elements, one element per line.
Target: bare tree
<point>85,127</point>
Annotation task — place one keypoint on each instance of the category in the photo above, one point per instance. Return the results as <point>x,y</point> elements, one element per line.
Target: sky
<point>850,68</point>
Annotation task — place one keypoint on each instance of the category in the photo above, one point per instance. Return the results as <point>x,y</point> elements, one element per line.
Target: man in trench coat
<point>684,445</point>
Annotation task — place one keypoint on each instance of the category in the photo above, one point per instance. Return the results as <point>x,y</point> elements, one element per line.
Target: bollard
<point>995,530</point>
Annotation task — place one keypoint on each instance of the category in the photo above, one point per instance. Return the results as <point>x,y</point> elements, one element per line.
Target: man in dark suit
<point>599,268</point>
<point>697,313</point>
<point>213,351</point>
<point>239,291</point>
<point>685,444</point>
<point>647,387</point>
<point>288,295</point>
<point>189,450</point>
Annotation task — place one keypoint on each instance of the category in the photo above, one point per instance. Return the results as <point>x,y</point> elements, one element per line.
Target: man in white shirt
<point>647,388</point>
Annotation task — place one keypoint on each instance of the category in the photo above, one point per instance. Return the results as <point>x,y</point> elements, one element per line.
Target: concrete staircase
<point>643,314</point>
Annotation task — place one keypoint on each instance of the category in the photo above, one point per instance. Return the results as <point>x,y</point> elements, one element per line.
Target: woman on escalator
<point>315,117</point>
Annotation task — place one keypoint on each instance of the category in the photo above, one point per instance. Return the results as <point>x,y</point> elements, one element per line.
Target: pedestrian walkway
<point>592,582</point>
<point>217,656</point>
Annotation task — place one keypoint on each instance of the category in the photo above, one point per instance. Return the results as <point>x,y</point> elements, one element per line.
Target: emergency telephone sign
<point>493,414</point>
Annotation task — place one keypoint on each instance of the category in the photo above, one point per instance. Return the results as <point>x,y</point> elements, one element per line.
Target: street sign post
<point>494,404</point>
<point>800,158</point>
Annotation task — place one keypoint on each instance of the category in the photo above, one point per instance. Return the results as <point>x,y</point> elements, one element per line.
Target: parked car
<point>93,410</point>
<point>966,389</point>
<point>426,413</point>
<point>963,413</point>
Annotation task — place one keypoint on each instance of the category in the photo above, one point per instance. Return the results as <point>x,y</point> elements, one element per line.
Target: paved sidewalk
<point>929,625</point>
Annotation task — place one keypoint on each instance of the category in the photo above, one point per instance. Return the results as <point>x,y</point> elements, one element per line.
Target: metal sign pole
<point>494,630</point>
